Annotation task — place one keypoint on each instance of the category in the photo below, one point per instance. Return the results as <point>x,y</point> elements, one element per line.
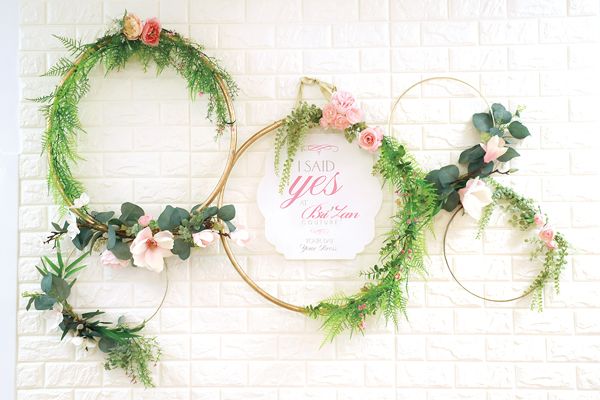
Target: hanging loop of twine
<point>327,89</point>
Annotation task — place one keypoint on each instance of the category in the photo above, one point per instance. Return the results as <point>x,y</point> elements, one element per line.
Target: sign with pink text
<point>328,209</point>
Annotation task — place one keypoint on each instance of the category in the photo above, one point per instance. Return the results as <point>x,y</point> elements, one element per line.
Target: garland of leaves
<point>113,50</point>
<point>133,238</point>
<point>420,197</point>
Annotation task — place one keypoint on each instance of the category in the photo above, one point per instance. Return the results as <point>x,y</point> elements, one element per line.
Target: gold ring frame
<point>224,175</point>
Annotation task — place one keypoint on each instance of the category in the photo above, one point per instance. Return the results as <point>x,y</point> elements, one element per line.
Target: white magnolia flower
<point>81,201</point>
<point>72,229</point>
<point>84,344</point>
<point>53,317</point>
<point>475,196</point>
<point>204,238</point>
<point>240,236</point>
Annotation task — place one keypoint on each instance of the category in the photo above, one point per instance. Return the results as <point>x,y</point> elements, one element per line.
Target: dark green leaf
<point>44,302</point>
<point>29,303</point>
<point>495,132</point>
<point>181,248</point>
<point>164,219</point>
<point>106,345</point>
<point>501,115</point>
<point>47,283</point>
<point>91,314</point>
<point>448,174</point>
<point>230,226</point>
<point>104,217</point>
<point>54,267</point>
<point>509,155</point>
<point>483,122</point>
<point>178,215</point>
<point>83,238</point>
<point>211,211</point>
<point>130,213</point>
<point>518,130</point>
<point>112,237</point>
<point>60,288</point>
<point>226,213</point>
<point>121,250</point>
<point>56,226</point>
<point>471,154</point>
<point>451,201</point>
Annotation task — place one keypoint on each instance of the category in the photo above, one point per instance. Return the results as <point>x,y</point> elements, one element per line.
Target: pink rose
<point>329,113</point>
<point>341,122</point>
<point>539,219</point>
<point>552,245</point>
<point>547,234</point>
<point>151,32</point>
<point>144,220</point>
<point>204,238</point>
<point>342,101</point>
<point>324,123</point>
<point>370,139</point>
<point>109,259</point>
<point>355,115</point>
<point>240,236</point>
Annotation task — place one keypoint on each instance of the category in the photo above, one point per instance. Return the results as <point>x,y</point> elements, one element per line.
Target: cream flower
<point>241,237</point>
<point>150,250</point>
<point>109,259</point>
<point>53,317</point>
<point>72,228</point>
<point>132,27</point>
<point>494,148</point>
<point>204,238</point>
<point>81,201</point>
<point>475,196</point>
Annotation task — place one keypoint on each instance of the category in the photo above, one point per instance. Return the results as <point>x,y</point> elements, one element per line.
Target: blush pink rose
<point>151,32</point>
<point>547,235</point>
<point>370,139</point>
<point>144,220</point>
<point>341,122</point>
<point>539,219</point>
<point>342,101</point>
<point>323,122</point>
<point>355,115</point>
<point>329,113</point>
<point>109,259</point>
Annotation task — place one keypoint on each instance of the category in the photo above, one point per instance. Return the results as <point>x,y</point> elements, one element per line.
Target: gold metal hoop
<point>224,175</point>
<point>234,262</point>
<point>524,294</point>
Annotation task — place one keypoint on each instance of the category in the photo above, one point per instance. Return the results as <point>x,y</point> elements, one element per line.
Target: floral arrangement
<point>133,238</point>
<point>421,196</point>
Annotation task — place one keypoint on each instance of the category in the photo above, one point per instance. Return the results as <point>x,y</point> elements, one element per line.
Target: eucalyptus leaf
<point>509,155</point>
<point>451,201</point>
<point>181,248</point>
<point>130,213</point>
<point>226,213</point>
<point>83,238</point>
<point>448,174</point>
<point>121,250</point>
<point>483,122</point>
<point>60,288</point>
<point>164,219</point>
<point>471,154</point>
<point>44,302</point>
<point>46,284</point>
<point>112,237</point>
<point>501,115</point>
<point>104,217</point>
<point>495,132</point>
<point>230,226</point>
<point>518,130</point>
<point>106,345</point>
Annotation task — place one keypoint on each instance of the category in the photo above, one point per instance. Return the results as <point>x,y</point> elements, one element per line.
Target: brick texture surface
<point>147,143</point>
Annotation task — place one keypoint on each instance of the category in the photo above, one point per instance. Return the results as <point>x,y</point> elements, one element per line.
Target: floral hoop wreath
<point>135,237</point>
<point>420,197</point>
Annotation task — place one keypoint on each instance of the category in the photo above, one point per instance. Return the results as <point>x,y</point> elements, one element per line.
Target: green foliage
<point>290,136</point>
<point>134,356</point>
<point>400,256</point>
<point>113,51</point>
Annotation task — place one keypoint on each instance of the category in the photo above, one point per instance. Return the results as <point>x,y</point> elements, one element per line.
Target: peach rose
<point>132,27</point>
<point>329,113</point>
<point>342,101</point>
<point>370,139</point>
<point>355,115</point>
<point>151,32</point>
<point>341,122</point>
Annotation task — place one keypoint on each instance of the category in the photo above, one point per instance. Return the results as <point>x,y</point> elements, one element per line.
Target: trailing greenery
<point>401,255</point>
<point>522,213</point>
<point>124,346</point>
<point>113,50</point>
<point>290,136</point>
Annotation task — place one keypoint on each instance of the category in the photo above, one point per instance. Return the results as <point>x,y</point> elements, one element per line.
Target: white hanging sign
<point>328,209</point>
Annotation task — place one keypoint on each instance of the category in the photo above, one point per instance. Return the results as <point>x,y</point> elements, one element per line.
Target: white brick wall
<point>223,341</point>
